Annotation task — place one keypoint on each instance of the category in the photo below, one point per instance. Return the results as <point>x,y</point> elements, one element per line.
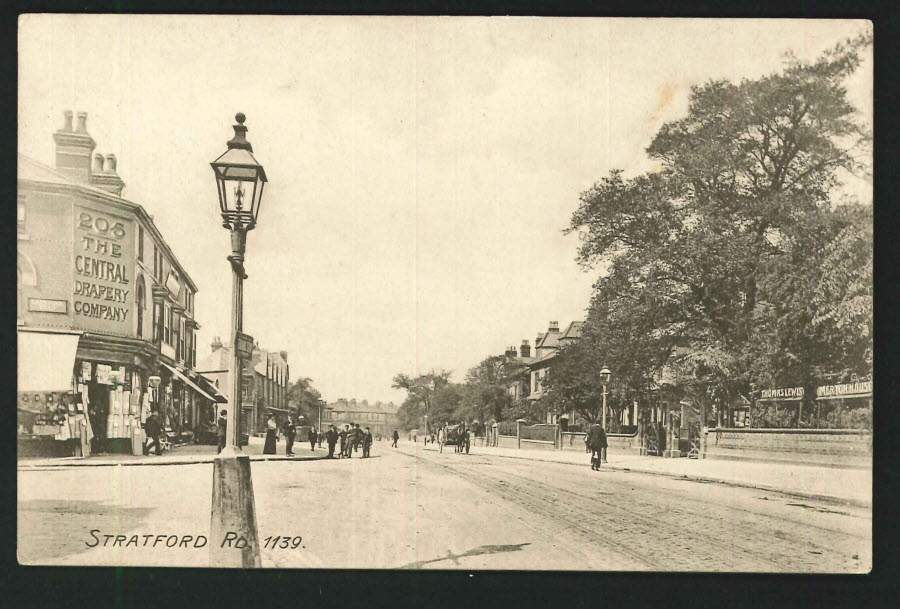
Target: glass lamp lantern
<point>240,180</point>
<point>604,375</point>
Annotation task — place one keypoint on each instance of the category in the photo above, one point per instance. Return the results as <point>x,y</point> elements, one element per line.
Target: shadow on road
<point>39,538</point>
<point>479,551</point>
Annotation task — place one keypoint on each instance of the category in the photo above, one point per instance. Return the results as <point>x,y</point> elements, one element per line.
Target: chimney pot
<point>82,122</point>
<point>98,163</point>
<point>68,125</point>
<point>111,163</point>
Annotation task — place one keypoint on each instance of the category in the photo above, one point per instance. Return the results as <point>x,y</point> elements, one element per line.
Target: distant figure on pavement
<point>271,436</point>
<point>596,442</point>
<point>355,438</point>
<point>343,436</point>
<point>396,437</point>
<point>153,429</point>
<point>312,438</point>
<point>290,432</point>
<point>221,428</point>
<point>367,442</point>
<point>331,436</point>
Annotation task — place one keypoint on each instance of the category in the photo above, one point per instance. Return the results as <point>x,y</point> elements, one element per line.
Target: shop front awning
<point>189,382</point>
<point>46,359</point>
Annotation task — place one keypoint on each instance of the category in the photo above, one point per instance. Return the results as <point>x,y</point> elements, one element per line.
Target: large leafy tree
<point>304,398</point>
<point>421,396</point>
<point>703,254</point>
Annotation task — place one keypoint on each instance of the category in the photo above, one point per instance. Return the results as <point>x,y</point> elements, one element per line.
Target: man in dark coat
<point>290,432</point>
<point>396,437</point>
<point>596,442</point>
<point>367,442</point>
<point>312,438</point>
<point>153,429</point>
<point>221,429</point>
<point>331,436</point>
<point>355,438</point>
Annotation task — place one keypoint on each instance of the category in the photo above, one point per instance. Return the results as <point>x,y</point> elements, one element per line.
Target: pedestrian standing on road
<point>331,436</point>
<point>355,438</point>
<point>153,429</point>
<point>271,436</point>
<point>343,437</point>
<point>367,442</point>
<point>221,429</point>
<point>312,439</point>
<point>396,437</point>
<point>596,442</point>
<point>290,432</point>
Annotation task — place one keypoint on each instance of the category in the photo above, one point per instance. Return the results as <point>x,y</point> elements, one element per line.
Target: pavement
<point>845,486</point>
<point>179,455</point>
<point>414,508</point>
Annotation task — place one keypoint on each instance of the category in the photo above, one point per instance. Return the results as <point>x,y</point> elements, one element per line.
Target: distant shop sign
<point>782,393</point>
<point>243,345</point>
<point>846,390</point>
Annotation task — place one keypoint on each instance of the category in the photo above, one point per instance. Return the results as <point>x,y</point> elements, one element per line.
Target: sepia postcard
<point>445,293</point>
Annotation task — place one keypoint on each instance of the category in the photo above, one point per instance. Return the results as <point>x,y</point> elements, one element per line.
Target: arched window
<point>141,303</point>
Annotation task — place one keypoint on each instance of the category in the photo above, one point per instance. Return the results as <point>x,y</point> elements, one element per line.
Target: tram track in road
<point>683,525</point>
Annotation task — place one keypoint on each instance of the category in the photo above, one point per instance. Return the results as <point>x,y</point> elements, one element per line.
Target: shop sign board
<point>103,374</point>
<point>44,305</point>
<point>103,268</point>
<point>243,345</point>
<point>858,389</point>
<point>782,393</point>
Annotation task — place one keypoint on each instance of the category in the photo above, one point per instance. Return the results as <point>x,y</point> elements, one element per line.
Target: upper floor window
<point>181,351</point>
<point>167,324</point>
<point>155,263</point>
<point>20,215</point>
<point>140,307</point>
<point>140,243</point>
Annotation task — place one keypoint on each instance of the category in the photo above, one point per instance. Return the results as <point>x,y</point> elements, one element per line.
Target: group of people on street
<point>351,439</point>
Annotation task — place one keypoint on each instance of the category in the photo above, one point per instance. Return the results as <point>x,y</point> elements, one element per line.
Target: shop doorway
<point>98,411</point>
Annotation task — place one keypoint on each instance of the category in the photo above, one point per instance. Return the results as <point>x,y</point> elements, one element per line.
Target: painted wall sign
<point>172,284</point>
<point>43,305</point>
<point>103,267</point>
<point>860,389</point>
<point>782,393</point>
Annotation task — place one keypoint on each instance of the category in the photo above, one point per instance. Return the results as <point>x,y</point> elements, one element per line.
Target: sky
<point>421,170</point>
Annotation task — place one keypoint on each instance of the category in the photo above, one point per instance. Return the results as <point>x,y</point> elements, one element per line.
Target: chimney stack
<point>107,179</point>
<point>553,327</point>
<point>216,344</point>
<point>510,352</point>
<point>74,149</point>
<point>525,349</point>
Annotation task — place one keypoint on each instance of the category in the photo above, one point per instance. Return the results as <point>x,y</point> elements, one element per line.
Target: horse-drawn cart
<point>458,437</point>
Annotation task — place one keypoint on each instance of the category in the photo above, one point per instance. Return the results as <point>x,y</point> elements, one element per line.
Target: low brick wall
<point>507,442</point>
<point>833,447</point>
<point>619,444</point>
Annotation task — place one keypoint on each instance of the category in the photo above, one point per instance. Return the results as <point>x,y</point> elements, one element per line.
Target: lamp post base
<point>234,541</point>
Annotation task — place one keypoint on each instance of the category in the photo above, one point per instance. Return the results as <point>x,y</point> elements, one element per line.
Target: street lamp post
<point>604,376</point>
<point>240,180</point>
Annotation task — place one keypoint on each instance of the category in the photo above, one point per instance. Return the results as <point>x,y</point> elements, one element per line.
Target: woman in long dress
<point>271,436</point>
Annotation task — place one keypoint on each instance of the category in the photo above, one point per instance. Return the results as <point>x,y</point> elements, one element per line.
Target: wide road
<point>411,508</point>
